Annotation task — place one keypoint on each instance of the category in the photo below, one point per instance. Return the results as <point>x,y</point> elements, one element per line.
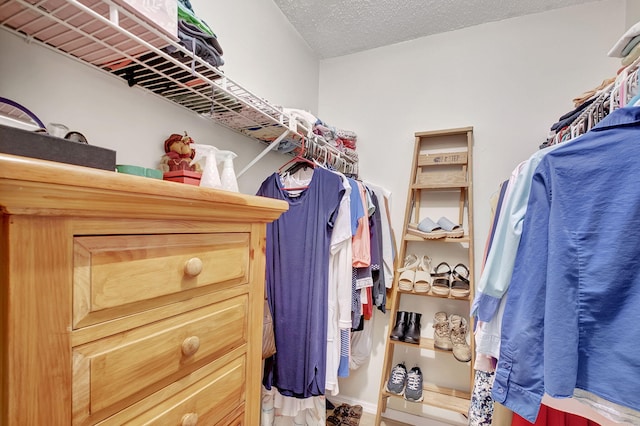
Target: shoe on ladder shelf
<point>397,380</point>
<point>460,281</point>
<point>408,272</point>
<point>459,329</point>
<point>399,330</point>
<point>442,332</point>
<point>441,275</point>
<point>413,390</point>
<point>451,229</point>
<point>426,229</point>
<point>412,333</point>
<point>422,281</point>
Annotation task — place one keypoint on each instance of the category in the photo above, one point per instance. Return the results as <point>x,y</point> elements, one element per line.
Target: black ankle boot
<point>401,324</point>
<point>412,333</point>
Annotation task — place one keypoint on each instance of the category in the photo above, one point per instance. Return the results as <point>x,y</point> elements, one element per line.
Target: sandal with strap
<point>408,272</point>
<point>426,229</point>
<point>441,277</point>
<point>460,281</point>
<point>451,229</point>
<point>422,282</point>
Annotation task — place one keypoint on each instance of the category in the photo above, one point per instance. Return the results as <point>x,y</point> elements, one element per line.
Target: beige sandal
<point>422,280</point>
<point>408,272</point>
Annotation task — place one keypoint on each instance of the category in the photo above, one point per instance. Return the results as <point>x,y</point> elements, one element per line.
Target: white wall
<point>633,13</point>
<point>262,51</point>
<point>510,80</point>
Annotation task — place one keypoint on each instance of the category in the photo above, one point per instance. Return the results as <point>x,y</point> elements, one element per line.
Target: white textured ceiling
<point>339,27</point>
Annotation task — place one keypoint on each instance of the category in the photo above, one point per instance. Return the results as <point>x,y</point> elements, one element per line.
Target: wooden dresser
<point>128,300</point>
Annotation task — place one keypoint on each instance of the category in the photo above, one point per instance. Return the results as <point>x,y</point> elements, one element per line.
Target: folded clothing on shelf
<point>201,44</point>
<point>186,13</point>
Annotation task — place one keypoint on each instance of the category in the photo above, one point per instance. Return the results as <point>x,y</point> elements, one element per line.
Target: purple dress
<point>297,283</point>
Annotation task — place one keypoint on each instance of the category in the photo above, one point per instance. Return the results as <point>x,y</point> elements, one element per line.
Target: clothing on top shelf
<point>203,45</point>
<point>629,47</point>
<point>341,141</point>
<point>590,93</point>
<point>613,93</point>
<point>632,56</point>
<point>186,13</point>
<point>196,36</point>
<point>620,45</point>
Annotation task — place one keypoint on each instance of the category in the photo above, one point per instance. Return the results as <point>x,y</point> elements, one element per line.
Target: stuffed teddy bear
<point>179,154</point>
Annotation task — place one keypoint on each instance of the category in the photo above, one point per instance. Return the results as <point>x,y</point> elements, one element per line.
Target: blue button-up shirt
<point>572,320</point>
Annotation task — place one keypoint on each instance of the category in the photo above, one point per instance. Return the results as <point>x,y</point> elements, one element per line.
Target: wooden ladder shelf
<point>440,186</point>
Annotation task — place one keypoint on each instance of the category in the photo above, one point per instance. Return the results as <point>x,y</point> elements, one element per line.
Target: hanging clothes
<point>378,290</point>
<point>388,242</point>
<point>357,214</point>
<point>568,324</point>
<point>496,275</point>
<point>339,297</point>
<point>551,417</point>
<point>297,258</point>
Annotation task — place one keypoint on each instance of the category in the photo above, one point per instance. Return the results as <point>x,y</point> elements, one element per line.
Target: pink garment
<point>362,239</point>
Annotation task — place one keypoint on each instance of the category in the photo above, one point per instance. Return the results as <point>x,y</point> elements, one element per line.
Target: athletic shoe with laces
<point>413,390</point>
<point>397,380</point>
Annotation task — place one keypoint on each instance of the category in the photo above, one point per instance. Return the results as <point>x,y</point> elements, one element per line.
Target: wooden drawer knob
<point>193,267</point>
<point>190,346</point>
<point>190,419</point>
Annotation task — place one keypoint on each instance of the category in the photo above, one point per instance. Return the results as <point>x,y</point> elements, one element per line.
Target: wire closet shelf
<point>108,36</point>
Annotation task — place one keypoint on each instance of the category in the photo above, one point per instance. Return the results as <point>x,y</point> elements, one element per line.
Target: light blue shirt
<point>357,209</point>
<point>573,312</point>
<point>496,275</point>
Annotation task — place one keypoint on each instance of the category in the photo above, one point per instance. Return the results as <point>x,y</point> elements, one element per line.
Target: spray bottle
<point>228,176</point>
<point>210,176</point>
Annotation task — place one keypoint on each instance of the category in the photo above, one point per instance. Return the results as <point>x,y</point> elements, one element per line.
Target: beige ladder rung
<point>442,158</point>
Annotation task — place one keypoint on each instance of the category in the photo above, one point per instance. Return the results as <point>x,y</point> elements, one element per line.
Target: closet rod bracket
<point>264,152</point>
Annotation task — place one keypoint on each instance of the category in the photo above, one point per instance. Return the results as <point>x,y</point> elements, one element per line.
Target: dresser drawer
<point>115,276</point>
<point>214,400</point>
<point>114,372</point>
